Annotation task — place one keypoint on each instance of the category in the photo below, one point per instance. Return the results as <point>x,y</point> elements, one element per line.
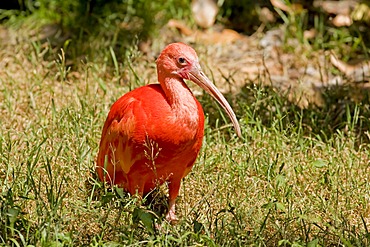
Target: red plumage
<point>154,133</point>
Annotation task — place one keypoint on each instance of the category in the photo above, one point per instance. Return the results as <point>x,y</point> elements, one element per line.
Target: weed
<point>298,177</point>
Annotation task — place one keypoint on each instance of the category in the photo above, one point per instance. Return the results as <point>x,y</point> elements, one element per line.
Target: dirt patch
<point>234,60</point>
<point>301,73</point>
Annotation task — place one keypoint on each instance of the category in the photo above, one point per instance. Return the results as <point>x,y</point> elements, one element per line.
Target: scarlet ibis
<point>154,133</point>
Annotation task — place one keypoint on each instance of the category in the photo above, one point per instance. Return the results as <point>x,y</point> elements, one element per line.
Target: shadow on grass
<point>88,26</point>
<point>146,210</point>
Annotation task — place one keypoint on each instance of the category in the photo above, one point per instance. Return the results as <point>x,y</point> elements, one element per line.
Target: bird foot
<point>171,217</point>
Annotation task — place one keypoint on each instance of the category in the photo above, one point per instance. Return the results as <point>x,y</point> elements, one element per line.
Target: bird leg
<point>173,191</point>
<point>171,215</point>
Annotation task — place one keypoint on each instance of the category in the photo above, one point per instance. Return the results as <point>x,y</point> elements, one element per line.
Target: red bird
<point>154,133</point>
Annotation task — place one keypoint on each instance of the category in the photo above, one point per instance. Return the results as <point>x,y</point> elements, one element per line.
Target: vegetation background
<point>298,177</point>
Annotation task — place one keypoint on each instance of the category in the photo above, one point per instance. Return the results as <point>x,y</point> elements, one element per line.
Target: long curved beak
<point>198,77</point>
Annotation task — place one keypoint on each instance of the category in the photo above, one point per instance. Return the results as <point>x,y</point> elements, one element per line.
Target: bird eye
<point>182,60</point>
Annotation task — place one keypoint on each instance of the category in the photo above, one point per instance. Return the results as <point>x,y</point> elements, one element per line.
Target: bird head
<point>181,61</point>
<point>177,60</point>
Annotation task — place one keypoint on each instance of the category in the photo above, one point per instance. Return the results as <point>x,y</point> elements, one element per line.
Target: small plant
<point>299,177</point>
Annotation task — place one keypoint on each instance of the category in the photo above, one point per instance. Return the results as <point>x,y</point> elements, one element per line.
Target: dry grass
<point>282,184</point>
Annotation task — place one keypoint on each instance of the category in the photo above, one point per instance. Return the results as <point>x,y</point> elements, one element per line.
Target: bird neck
<point>181,99</point>
<point>177,92</point>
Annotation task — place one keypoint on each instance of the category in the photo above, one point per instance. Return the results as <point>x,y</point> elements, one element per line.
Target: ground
<point>298,176</point>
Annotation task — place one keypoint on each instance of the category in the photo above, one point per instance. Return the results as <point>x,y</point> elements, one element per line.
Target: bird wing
<point>116,154</point>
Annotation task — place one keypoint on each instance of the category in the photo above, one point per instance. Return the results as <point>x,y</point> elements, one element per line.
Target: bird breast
<point>178,121</point>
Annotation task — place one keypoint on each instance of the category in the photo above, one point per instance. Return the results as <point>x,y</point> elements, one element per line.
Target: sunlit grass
<point>298,177</point>
<point>279,184</point>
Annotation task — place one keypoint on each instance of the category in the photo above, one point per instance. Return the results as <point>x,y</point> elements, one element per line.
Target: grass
<point>298,177</point>
<point>277,185</point>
